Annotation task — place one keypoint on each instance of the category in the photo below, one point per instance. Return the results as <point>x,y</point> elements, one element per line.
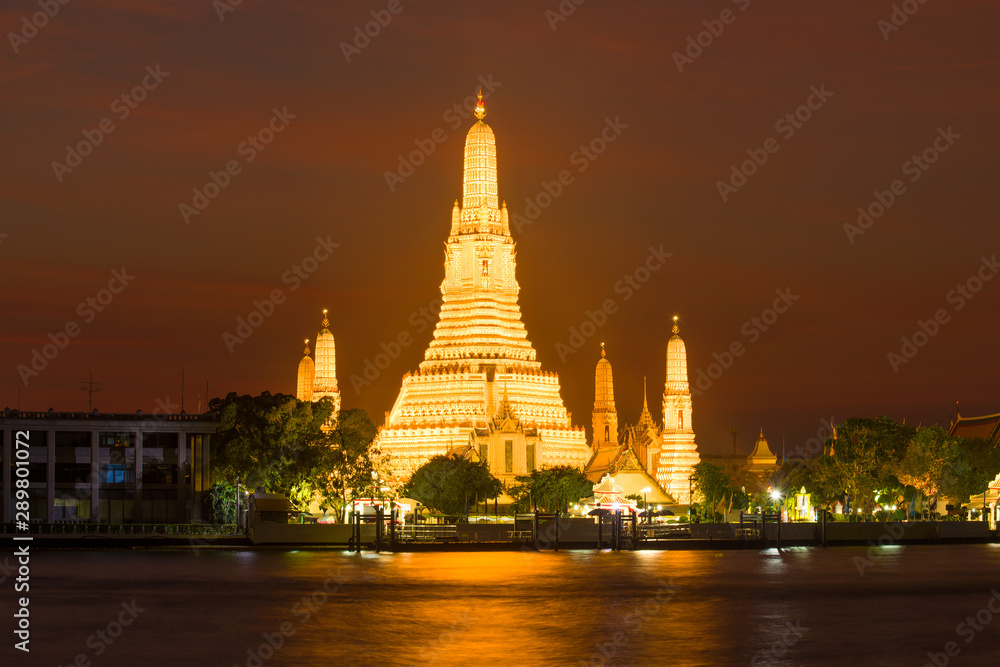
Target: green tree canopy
<point>267,441</point>
<point>344,464</point>
<point>551,489</point>
<point>450,484</point>
<point>710,483</point>
<point>866,453</point>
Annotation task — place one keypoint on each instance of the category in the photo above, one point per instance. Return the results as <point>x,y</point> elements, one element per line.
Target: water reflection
<point>513,608</point>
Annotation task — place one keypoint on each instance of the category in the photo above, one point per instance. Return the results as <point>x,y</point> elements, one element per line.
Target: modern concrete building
<point>107,468</point>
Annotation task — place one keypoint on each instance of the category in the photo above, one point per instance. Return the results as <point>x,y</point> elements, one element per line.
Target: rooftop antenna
<point>735,430</point>
<point>89,387</point>
<point>182,388</point>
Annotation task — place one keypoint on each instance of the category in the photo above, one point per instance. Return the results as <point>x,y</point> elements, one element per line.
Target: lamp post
<point>645,503</point>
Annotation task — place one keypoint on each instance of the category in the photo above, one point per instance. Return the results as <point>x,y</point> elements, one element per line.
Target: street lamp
<point>645,502</point>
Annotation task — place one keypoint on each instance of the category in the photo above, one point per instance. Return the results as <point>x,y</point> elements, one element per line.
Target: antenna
<point>88,386</point>
<point>182,388</point>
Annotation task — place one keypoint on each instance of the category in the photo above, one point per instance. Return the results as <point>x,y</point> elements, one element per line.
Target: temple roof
<point>986,427</point>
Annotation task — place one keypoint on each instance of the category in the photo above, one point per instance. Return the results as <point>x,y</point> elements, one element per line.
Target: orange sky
<point>657,184</point>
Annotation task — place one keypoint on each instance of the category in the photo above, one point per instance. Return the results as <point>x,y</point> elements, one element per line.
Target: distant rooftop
<point>987,427</point>
<point>96,415</point>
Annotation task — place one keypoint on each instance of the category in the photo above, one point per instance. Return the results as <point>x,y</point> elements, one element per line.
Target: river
<point>798,606</point>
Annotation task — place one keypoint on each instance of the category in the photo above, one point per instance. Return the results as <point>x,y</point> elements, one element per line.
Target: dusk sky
<point>880,94</point>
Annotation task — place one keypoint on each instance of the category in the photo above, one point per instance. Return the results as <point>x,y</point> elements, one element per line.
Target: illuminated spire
<point>480,111</point>
<point>479,183</point>
<point>645,419</point>
<point>675,329</point>
<point>605,413</point>
<point>325,377</point>
<point>307,370</point>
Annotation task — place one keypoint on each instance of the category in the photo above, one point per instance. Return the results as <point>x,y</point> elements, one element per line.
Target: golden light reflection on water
<point>514,608</point>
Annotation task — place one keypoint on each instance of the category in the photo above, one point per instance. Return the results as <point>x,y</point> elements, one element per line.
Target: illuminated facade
<point>678,452</point>
<point>318,378</point>
<point>630,463</point>
<point>762,461</point>
<point>480,350</point>
<point>605,414</point>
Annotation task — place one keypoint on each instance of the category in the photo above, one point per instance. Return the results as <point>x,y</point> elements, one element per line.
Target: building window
<point>508,454</point>
<point>484,453</point>
<point>680,419</point>
<point>607,433</point>
<point>529,455</point>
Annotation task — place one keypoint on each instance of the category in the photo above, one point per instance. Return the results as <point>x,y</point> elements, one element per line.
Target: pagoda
<point>480,359</point>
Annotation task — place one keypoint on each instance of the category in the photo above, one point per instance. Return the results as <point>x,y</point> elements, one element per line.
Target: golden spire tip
<point>480,112</point>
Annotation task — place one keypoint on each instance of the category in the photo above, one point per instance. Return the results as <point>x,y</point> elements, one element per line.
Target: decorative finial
<point>307,348</point>
<point>602,350</point>
<point>644,406</point>
<point>675,329</point>
<point>326,322</point>
<point>480,106</point>
<point>762,431</point>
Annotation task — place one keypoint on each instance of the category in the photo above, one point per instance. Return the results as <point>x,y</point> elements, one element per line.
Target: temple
<point>644,458</point>
<point>318,378</point>
<point>678,452</point>
<point>480,384</point>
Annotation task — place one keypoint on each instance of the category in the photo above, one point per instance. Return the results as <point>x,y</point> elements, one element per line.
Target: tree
<point>984,464</point>
<point>450,484</point>
<point>268,441</point>
<point>711,483</point>
<point>551,489</point>
<point>866,453</point>
<point>343,464</point>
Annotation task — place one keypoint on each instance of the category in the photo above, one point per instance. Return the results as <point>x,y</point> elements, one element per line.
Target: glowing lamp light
<point>775,495</point>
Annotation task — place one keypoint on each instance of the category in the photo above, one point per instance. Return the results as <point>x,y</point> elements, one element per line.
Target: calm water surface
<point>569,608</point>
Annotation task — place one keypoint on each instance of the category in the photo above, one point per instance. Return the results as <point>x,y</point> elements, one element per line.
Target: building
<point>678,451</point>
<point>107,468</point>
<point>480,363</point>
<point>624,465</point>
<point>318,378</point>
<point>762,462</point>
<point>986,427</point>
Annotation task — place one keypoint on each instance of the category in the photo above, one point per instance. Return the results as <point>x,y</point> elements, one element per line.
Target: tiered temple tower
<point>605,414</point>
<point>480,345</point>
<point>318,378</point>
<point>678,454</point>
